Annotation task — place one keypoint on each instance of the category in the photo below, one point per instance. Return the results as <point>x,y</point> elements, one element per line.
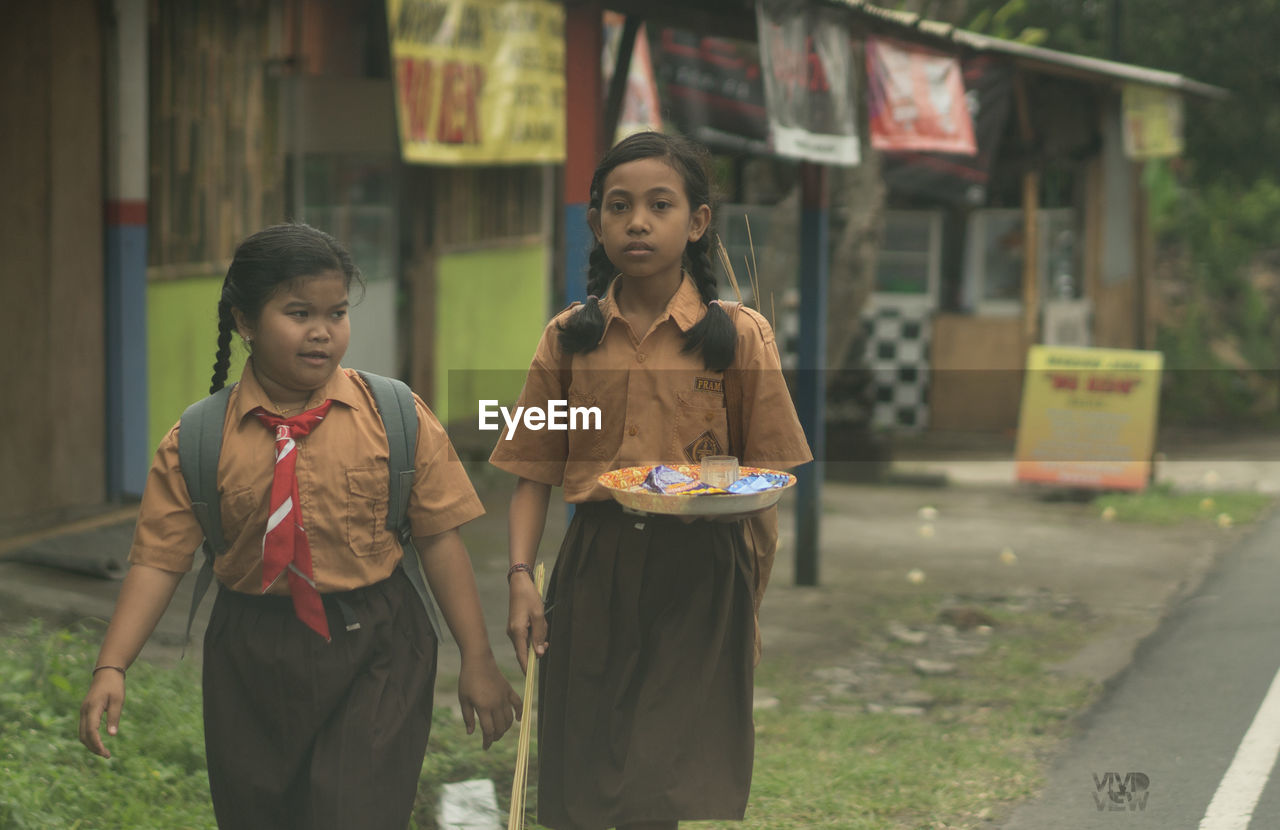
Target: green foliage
<point>1227,45</point>
<point>1219,339</point>
<point>156,775</point>
<point>1164,505</point>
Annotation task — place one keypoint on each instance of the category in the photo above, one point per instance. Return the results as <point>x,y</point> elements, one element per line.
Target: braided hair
<point>714,336</point>
<point>263,263</point>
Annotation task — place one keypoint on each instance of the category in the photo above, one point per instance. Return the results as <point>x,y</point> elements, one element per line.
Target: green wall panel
<point>182,335</point>
<point>491,309</point>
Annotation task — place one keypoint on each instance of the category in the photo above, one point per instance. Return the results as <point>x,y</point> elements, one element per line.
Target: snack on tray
<point>662,479</point>
<point>758,483</point>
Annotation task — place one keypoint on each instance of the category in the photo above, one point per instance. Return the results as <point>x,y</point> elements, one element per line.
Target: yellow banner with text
<point>1088,417</point>
<point>478,81</point>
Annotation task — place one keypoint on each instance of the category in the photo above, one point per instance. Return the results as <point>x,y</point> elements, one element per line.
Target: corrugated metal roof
<point>1033,57</point>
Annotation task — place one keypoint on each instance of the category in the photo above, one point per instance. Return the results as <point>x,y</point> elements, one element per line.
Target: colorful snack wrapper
<point>665,480</point>
<point>758,483</point>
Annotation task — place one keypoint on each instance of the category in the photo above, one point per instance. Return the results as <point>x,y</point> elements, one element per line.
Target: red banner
<point>917,100</point>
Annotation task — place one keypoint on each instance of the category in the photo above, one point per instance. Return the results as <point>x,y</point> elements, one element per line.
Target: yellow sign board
<point>1152,122</point>
<point>1088,417</point>
<point>479,81</point>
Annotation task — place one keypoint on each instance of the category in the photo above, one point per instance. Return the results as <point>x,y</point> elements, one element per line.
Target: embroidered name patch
<point>708,384</point>
<point>704,444</point>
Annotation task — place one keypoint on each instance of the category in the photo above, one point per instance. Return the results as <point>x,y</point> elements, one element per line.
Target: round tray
<point>624,486</point>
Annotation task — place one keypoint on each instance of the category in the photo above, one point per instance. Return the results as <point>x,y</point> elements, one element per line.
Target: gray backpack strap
<point>199,445</point>
<point>400,419</point>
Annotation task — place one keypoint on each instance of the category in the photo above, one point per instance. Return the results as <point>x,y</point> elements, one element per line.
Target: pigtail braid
<point>714,335</point>
<point>222,360</point>
<point>582,331</point>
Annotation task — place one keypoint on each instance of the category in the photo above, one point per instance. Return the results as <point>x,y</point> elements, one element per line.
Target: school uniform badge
<point>705,444</point>
<point>708,385</point>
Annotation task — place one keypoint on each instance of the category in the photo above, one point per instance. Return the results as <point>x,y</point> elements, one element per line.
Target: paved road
<point>1177,718</point>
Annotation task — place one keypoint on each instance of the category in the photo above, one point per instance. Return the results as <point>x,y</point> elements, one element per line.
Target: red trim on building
<point>126,212</point>
<point>584,97</point>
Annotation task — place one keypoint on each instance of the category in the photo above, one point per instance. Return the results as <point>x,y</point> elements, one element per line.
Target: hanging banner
<point>808,67</point>
<point>1088,417</point>
<point>917,99</point>
<point>713,90</point>
<point>1152,122</point>
<point>478,81</point>
<point>958,179</point>
<point>640,109</point>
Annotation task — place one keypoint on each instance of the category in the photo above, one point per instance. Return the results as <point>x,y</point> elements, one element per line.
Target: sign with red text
<point>478,81</point>
<point>1088,417</point>
<point>917,99</point>
<point>808,67</point>
<point>713,90</point>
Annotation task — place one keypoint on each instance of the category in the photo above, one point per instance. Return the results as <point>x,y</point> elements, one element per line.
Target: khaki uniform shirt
<point>657,404</point>
<point>343,483</point>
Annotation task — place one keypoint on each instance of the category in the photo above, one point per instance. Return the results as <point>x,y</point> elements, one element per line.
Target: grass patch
<point>1163,505</point>
<point>967,760</point>
<point>156,777</point>
<point>820,763</point>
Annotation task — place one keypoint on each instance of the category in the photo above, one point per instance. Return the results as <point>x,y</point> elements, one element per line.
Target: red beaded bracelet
<point>517,567</point>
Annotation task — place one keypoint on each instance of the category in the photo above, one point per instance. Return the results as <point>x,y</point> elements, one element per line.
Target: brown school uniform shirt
<point>657,404</point>
<point>342,482</point>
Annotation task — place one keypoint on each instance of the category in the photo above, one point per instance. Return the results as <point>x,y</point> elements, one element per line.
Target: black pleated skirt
<point>644,708</point>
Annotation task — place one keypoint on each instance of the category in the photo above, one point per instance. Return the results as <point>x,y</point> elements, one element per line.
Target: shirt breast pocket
<point>701,427</point>
<point>367,500</point>
<point>238,508</point>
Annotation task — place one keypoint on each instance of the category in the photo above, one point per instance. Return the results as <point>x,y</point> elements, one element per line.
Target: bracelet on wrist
<point>97,669</point>
<point>518,567</point>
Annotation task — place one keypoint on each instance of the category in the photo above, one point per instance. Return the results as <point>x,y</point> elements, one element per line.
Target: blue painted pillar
<point>125,269</point>
<point>584,131</point>
<point>811,388</point>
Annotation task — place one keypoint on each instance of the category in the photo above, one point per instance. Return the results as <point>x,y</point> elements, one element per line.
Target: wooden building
<point>143,138</point>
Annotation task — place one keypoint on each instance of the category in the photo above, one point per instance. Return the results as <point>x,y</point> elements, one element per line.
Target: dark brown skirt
<point>644,708</point>
<point>300,733</point>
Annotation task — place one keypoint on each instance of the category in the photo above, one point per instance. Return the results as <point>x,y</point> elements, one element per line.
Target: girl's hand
<point>106,694</point>
<point>526,617</point>
<point>486,696</point>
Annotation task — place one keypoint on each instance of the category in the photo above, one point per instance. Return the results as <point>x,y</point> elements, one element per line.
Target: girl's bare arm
<point>483,692</point>
<point>144,596</point>
<point>526,520</point>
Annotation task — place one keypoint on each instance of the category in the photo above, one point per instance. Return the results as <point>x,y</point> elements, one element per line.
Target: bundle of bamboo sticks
<point>753,272</point>
<point>515,821</point>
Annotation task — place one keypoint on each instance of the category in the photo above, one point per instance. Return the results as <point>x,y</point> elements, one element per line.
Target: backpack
<point>203,422</point>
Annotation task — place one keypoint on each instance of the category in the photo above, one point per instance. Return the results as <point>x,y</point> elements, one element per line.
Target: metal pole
<point>811,389</point>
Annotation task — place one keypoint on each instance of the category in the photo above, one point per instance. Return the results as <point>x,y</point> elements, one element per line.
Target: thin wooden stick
<point>755,269</point>
<point>515,821</point>
<point>773,313</point>
<point>728,266</point>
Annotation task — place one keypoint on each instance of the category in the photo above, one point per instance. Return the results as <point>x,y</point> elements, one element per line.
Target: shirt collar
<point>685,307</point>
<point>250,394</point>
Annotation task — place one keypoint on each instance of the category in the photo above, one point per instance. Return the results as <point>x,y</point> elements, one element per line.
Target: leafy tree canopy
<point>1227,44</point>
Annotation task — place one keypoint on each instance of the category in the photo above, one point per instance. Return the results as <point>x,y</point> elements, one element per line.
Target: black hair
<point>263,263</point>
<point>714,335</point>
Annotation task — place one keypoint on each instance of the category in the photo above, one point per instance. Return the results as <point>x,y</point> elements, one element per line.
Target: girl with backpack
<point>647,638</point>
<point>319,657</point>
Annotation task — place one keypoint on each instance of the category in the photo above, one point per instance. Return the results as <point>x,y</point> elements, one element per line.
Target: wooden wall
<point>453,209</point>
<point>53,408</point>
<point>975,381</point>
<point>216,169</point>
